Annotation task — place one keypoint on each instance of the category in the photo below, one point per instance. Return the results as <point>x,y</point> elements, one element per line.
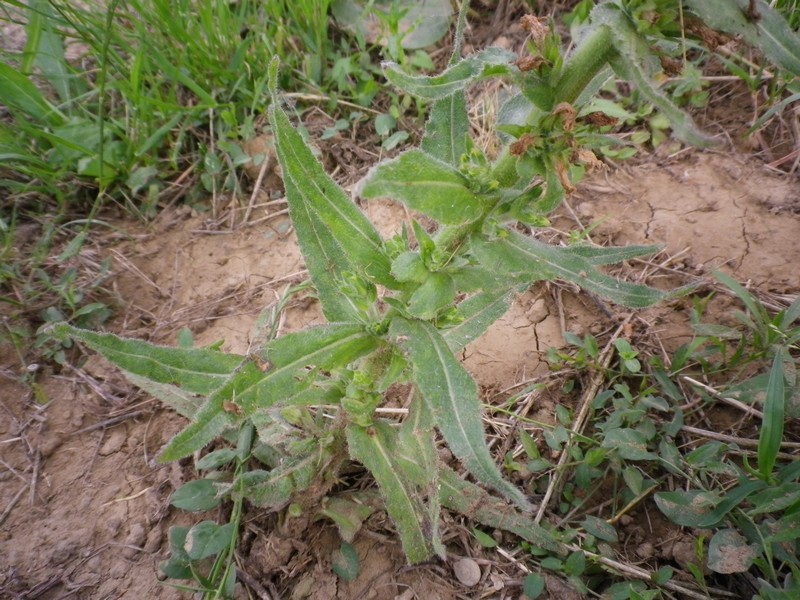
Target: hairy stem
<point>590,56</point>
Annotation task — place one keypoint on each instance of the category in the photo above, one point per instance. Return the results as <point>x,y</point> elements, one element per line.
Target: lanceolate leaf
<point>452,394</point>
<point>376,448</point>
<point>531,260</point>
<point>597,255</point>
<point>426,185</point>
<point>634,61</point>
<point>198,371</point>
<point>447,129</point>
<point>771,436</point>
<point>314,196</point>
<point>324,257</point>
<point>17,92</point>
<point>276,379</point>
<point>418,460</point>
<point>767,30</point>
<point>454,78</point>
<point>478,312</point>
<point>475,503</point>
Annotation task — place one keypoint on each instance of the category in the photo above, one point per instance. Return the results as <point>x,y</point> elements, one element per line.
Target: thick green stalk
<point>590,56</point>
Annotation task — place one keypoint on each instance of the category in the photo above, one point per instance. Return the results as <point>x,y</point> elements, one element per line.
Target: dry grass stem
<point>730,401</point>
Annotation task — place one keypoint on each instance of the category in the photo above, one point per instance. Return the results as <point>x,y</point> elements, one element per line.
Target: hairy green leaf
<point>454,78</point>
<point>453,396</point>
<point>437,292</point>
<point>478,312</point>
<point>207,538</point>
<point>729,552</point>
<point>598,255</point>
<point>334,234</point>
<point>767,30</point>
<point>376,448</point>
<point>417,457</point>
<point>274,489</point>
<point>424,184</point>
<point>283,371</point>
<point>197,371</point>
<point>635,62</point>
<point>475,503</point>
<point>687,509</point>
<point>530,260</point>
<point>447,129</point>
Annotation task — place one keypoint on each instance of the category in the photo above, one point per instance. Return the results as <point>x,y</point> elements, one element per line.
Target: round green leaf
<point>197,495</point>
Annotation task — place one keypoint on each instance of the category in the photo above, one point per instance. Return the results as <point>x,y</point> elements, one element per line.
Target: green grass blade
<point>454,78</point>
<point>376,448</point>
<point>453,396</point>
<point>759,316</point>
<point>198,371</point>
<point>475,503</point>
<point>769,440</point>
<point>426,185</point>
<point>48,49</point>
<point>19,93</point>
<point>769,32</point>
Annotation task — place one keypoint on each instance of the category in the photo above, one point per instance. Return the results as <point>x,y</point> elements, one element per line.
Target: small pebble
<point>467,571</point>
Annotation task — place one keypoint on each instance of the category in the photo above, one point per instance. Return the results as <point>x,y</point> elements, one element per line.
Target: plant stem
<point>590,56</point>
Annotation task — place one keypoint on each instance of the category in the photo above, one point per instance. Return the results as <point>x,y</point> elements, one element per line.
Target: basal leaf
<point>424,184</point>
<point>285,363</point>
<point>475,503</point>
<point>274,489</point>
<point>183,402</point>
<point>454,78</point>
<point>417,457</point>
<point>198,371</point>
<point>629,444</point>
<point>376,448</point>
<point>447,129</point>
<point>283,371</point>
<point>598,255</point>
<point>767,30</point>
<point>207,538</point>
<point>530,260</point>
<point>453,396</point>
